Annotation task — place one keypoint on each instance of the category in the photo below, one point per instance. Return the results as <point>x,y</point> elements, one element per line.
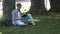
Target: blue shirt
<point>16,14</point>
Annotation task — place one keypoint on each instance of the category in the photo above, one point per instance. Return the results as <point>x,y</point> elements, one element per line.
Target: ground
<point>45,25</point>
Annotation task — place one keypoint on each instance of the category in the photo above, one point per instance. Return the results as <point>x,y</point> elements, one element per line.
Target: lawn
<point>44,25</point>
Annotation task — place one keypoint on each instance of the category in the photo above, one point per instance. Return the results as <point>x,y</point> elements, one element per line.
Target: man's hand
<point>18,18</point>
<point>24,15</point>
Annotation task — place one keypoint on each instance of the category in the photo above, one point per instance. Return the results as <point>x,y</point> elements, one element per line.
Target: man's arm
<point>18,18</point>
<point>24,14</point>
<point>15,15</point>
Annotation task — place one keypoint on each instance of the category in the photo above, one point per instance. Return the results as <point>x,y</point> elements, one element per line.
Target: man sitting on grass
<point>19,19</point>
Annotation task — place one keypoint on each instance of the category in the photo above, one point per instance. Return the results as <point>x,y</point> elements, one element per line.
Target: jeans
<point>28,17</point>
<point>23,21</point>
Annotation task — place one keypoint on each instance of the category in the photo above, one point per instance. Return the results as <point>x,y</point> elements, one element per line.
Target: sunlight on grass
<point>53,17</point>
<point>36,17</point>
<point>1,14</point>
<point>35,20</point>
<point>57,15</point>
<point>49,17</point>
<point>0,32</point>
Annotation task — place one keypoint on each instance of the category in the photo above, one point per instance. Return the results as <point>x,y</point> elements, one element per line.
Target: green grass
<point>45,25</point>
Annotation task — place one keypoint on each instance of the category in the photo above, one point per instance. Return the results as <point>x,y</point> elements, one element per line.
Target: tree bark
<point>8,6</point>
<point>37,7</point>
<point>55,5</point>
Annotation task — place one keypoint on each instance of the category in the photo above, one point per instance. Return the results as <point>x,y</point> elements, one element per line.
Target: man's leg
<point>20,23</point>
<point>29,17</point>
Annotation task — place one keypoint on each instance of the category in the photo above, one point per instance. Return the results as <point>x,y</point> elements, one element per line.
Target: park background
<point>46,14</point>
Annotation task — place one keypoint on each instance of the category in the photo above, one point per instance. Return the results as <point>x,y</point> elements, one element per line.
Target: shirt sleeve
<point>14,14</point>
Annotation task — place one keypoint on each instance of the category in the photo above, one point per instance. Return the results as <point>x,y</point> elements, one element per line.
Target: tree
<point>37,7</point>
<point>55,4</point>
<point>8,6</point>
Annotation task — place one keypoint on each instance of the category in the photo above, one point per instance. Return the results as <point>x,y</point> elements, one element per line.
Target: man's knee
<point>29,14</point>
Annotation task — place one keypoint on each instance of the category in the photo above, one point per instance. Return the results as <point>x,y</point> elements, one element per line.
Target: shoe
<point>33,24</point>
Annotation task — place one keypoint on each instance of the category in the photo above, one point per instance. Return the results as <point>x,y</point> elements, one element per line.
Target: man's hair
<point>19,4</point>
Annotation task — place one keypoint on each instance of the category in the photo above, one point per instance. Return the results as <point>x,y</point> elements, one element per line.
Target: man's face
<point>19,7</point>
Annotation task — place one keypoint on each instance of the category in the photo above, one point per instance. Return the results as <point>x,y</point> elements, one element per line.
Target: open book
<point>25,14</point>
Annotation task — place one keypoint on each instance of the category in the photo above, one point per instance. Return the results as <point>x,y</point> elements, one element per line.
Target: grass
<point>45,25</point>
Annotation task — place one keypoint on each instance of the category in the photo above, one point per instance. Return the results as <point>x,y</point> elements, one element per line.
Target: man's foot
<point>34,24</point>
<point>28,23</point>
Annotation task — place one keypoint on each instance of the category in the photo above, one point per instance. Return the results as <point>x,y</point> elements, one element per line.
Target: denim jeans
<point>23,21</point>
<point>29,16</point>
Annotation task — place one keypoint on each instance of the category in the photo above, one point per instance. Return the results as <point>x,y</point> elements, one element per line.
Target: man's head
<point>19,6</point>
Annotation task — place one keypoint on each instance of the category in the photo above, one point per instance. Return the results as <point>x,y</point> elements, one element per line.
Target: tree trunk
<point>8,6</point>
<point>55,4</point>
<point>37,7</point>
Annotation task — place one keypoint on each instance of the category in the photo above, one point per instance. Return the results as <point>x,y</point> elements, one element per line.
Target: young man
<point>18,18</point>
